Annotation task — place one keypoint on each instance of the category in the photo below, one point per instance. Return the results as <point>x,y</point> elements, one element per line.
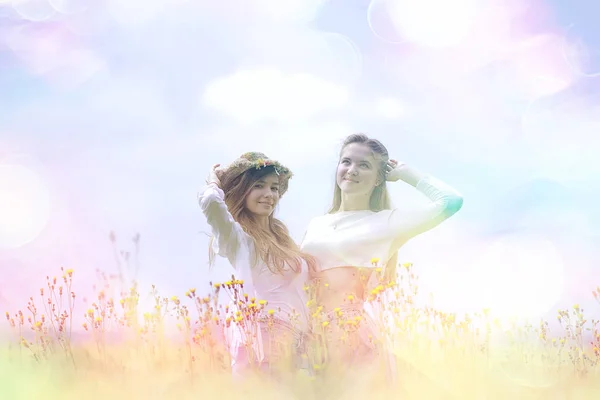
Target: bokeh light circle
<point>24,205</point>
<point>521,275</point>
<point>561,133</point>
<point>423,22</point>
<point>345,56</point>
<point>579,53</point>
<point>33,10</point>
<point>380,22</point>
<point>70,6</point>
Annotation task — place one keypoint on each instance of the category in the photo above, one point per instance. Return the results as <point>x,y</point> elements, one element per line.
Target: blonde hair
<point>274,245</point>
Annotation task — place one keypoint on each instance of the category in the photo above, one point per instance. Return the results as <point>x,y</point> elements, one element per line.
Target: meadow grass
<point>178,349</point>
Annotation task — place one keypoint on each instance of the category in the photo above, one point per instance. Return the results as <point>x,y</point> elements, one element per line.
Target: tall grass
<point>180,347</point>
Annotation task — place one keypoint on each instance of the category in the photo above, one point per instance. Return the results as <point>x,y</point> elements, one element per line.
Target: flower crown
<point>257,160</point>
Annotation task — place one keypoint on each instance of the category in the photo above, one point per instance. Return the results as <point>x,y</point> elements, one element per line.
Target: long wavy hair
<point>380,199</point>
<point>274,244</point>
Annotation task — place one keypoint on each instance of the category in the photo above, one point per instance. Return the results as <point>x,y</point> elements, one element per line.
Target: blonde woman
<point>361,226</point>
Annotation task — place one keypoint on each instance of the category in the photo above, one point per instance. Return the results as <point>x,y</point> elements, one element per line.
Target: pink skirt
<point>353,342</point>
<point>283,350</point>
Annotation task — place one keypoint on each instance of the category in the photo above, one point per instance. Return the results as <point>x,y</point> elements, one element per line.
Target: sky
<point>113,111</point>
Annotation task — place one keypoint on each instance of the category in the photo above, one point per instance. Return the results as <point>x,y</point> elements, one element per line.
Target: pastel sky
<point>113,111</point>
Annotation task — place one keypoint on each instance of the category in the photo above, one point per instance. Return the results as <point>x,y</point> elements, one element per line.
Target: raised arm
<point>229,236</point>
<point>445,202</point>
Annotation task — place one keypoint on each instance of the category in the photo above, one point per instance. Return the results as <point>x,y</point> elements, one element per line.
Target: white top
<point>354,238</point>
<point>284,292</point>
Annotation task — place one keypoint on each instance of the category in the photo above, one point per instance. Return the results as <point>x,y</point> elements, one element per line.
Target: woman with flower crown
<point>239,203</point>
<point>362,232</point>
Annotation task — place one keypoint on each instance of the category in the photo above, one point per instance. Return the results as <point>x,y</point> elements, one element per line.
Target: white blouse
<point>284,292</point>
<point>354,238</point>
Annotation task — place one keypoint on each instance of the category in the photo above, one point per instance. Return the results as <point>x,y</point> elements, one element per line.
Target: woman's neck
<point>262,222</point>
<point>354,202</point>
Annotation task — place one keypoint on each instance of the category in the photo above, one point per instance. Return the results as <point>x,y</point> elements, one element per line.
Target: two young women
<point>337,250</point>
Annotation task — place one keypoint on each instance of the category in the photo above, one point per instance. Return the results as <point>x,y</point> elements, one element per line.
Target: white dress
<point>284,292</point>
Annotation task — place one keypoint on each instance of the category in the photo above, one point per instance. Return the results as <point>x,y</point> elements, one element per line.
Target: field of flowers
<point>179,348</point>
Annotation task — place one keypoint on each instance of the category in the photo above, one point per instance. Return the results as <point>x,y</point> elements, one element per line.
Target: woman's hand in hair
<point>393,171</point>
<point>212,176</point>
<point>398,171</point>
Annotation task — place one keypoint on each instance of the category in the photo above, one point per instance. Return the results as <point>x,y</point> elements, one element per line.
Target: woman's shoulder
<point>318,222</point>
<point>313,221</point>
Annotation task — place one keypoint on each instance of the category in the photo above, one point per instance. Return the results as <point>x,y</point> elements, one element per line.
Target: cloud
<point>389,108</point>
<point>291,143</point>
<point>270,95</point>
<point>329,55</point>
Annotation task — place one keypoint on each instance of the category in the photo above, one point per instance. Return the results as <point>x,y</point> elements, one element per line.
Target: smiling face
<point>358,170</point>
<point>264,196</point>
